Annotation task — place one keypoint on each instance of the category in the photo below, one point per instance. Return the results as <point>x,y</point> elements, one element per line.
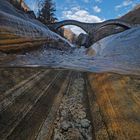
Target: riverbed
<point>117,53</point>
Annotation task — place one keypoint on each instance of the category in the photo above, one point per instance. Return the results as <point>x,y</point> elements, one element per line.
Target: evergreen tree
<point>46,13</point>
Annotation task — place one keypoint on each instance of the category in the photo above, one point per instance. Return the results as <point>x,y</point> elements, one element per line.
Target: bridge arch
<point>114,22</point>
<point>90,27</point>
<point>60,24</point>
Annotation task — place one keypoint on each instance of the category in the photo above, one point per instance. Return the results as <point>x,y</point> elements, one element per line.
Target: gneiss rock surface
<point>47,104</point>
<point>18,30</point>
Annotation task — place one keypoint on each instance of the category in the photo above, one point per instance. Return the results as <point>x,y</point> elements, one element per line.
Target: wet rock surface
<point>72,122</point>
<point>47,104</point>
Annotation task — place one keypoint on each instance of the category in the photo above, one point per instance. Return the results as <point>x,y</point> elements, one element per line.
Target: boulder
<point>83,40</point>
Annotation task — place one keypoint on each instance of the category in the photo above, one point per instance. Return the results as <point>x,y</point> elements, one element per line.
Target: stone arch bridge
<point>90,27</point>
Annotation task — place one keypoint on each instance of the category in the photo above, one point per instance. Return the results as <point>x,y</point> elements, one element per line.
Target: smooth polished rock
<point>18,31</point>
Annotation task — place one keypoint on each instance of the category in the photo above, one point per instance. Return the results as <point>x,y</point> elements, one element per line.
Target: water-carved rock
<point>18,30</point>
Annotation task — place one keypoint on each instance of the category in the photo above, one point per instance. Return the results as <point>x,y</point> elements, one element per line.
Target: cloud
<point>76,13</point>
<point>125,3</point>
<point>79,14</point>
<point>96,9</point>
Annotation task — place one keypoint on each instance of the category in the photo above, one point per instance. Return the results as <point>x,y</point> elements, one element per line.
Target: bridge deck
<point>90,27</point>
<point>42,104</point>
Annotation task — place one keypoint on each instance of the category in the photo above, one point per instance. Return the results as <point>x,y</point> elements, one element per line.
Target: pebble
<point>63,113</point>
<point>65,125</point>
<point>72,123</point>
<point>57,137</point>
<point>73,134</point>
<point>82,115</point>
<point>85,123</point>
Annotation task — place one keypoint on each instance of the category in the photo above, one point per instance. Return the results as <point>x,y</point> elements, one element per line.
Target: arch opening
<point>110,28</point>
<point>107,30</point>
<point>60,24</point>
<point>114,24</point>
<point>71,32</point>
<point>73,27</point>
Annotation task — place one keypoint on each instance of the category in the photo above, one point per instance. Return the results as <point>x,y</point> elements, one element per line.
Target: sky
<point>88,10</point>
